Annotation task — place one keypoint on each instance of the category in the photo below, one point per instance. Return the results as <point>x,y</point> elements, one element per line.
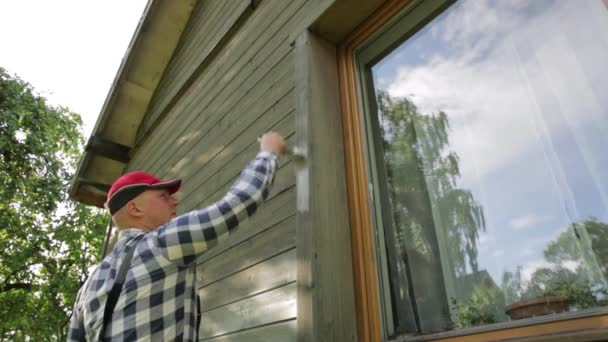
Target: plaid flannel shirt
<point>158,301</point>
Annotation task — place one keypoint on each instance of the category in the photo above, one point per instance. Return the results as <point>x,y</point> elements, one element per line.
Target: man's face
<point>158,206</point>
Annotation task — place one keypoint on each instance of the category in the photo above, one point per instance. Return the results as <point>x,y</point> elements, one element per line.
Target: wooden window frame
<point>589,325</point>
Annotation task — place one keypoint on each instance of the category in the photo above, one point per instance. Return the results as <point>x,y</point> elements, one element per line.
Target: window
<point>485,126</point>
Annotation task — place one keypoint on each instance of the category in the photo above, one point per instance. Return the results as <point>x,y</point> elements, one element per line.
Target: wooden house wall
<point>230,79</point>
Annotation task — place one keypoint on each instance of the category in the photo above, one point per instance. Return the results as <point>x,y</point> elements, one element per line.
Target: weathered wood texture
<point>231,79</point>
<point>271,273</point>
<point>266,308</point>
<point>209,27</point>
<point>278,239</point>
<point>282,331</point>
<point>242,71</point>
<point>326,304</point>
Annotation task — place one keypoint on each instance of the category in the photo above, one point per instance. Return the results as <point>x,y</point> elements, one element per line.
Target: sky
<point>527,115</point>
<point>69,50</point>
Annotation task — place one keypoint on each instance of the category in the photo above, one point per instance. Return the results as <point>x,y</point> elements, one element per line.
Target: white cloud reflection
<point>524,86</point>
<point>527,221</point>
<point>487,79</point>
<point>529,268</point>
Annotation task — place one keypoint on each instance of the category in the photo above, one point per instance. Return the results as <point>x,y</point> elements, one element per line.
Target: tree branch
<point>17,286</point>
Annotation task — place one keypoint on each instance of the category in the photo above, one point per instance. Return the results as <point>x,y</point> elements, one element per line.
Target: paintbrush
<point>295,153</point>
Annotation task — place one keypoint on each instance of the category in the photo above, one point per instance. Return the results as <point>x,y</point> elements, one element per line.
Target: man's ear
<point>133,209</point>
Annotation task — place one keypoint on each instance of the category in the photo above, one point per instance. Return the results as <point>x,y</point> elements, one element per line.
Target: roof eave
<point>107,151</point>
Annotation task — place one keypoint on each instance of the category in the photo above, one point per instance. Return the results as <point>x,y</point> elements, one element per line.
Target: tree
<point>584,243</point>
<point>418,144</point>
<point>485,306</point>
<point>47,242</point>
<point>431,215</point>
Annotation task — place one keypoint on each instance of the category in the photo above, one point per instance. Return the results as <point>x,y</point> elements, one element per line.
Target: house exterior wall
<point>230,79</point>
<point>236,73</point>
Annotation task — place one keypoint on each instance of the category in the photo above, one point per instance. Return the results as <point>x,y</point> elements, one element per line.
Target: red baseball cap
<point>131,184</point>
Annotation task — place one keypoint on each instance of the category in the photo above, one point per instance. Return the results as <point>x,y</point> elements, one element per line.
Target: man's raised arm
<point>187,236</point>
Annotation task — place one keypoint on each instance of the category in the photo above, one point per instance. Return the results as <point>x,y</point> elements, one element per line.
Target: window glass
<point>489,133</point>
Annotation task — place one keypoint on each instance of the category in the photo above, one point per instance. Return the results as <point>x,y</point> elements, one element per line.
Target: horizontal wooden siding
<point>232,78</point>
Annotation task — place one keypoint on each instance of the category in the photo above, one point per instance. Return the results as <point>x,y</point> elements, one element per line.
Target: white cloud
<point>571,265</point>
<point>485,238</point>
<point>529,268</point>
<point>527,252</point>
<point>498,253</point>
<point>516,79</point>
<point>527,221</point>
<point>505,83</point>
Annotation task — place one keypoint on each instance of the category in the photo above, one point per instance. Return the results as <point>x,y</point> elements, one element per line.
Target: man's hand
<point>273,142</point>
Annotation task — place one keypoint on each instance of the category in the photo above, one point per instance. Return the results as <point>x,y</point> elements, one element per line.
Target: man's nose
<point>175,200</point>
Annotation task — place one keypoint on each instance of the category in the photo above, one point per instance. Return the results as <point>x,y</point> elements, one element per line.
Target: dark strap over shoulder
<point>117,288</point>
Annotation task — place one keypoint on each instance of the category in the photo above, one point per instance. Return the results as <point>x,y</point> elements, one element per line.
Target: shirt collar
<point>129,232</point>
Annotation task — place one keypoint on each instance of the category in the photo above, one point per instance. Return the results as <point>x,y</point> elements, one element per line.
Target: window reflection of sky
<point>524,85</point>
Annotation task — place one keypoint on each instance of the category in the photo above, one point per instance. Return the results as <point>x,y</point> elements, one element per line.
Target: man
<point>158,301</point>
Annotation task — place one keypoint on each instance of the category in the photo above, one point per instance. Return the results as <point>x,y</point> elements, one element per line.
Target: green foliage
<point>431,215</point>
<point>480,309</point>
<point>581,295</point>
<point>566,248</point>
<point>558,281</point>
<point>422,174</point>
<point>47,242</point>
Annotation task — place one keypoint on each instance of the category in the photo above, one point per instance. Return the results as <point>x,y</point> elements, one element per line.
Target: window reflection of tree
<point>436,224</point>
<point>564,249</point>
<point>577,271</point>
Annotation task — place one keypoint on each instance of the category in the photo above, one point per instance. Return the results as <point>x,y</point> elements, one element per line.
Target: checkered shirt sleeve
<point>189,235</point>
<point>158,301</point>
